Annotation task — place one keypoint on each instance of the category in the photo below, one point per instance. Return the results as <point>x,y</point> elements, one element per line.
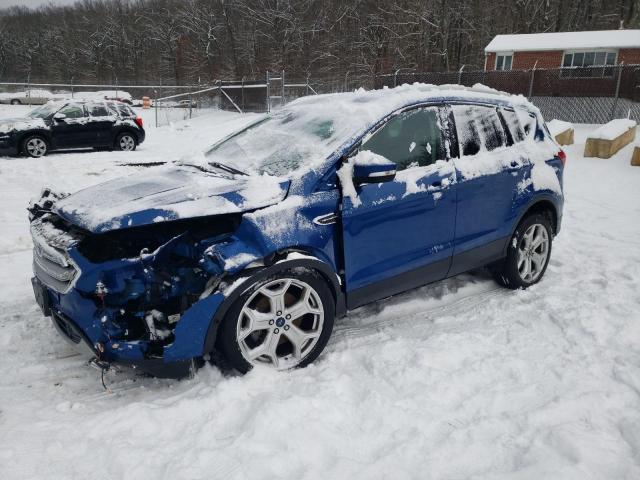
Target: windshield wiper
<point>228,169</point>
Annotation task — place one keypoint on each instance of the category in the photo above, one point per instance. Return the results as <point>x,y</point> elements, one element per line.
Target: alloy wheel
<point>127,143</point>
<point>533,252</point>
<point>36,147</point>
<point>280,323</point>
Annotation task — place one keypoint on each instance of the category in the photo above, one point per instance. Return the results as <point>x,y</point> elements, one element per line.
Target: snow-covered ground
<point>460,379</point>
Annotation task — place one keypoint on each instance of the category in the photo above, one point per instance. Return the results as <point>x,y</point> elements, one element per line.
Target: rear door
<point>400,234</point>
<point>100,123</point>
<point>489,172</point>
<point>71,132</point>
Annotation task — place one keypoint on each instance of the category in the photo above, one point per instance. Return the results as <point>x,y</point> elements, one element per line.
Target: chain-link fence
<point>579,95</point>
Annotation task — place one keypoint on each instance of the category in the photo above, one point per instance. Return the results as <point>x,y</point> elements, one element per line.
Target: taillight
<point>138,121</point>
<point>562,156</point>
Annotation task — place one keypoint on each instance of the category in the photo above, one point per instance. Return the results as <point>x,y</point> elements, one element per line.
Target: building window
<point>588,64</point>
<point>504,61</point>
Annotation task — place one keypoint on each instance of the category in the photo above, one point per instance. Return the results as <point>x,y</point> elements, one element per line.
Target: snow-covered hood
<point>9,124</point>
<point>167,194</point>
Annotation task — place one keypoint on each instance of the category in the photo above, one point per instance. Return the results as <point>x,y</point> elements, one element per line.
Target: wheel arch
<point>252,275</point>
<point>124,129</point>
<point>40,133</point>
<point>545,206</point>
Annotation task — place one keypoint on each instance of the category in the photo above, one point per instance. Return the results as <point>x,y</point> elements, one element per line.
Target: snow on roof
<point>375,104</point>
<point>534,42</point>
<point>352,113</point>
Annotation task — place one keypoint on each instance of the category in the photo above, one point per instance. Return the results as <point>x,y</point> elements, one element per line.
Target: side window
<point>410,139</point>
<point>528,122</point>
<point>97,109</point>
<point>479,128</point>
<point>512,124</point>
<point>73,110</point>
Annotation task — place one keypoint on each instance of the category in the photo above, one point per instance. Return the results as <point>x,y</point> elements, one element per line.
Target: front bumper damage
<point>146,312</point>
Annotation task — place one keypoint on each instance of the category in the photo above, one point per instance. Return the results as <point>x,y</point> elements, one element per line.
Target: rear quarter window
<point>512,123</point>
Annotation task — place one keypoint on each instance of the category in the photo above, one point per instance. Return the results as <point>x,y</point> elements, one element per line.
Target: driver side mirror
<point>372,168</point>
<point>60,117</point>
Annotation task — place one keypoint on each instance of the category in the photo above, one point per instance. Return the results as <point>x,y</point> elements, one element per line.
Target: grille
<point>51,263</point>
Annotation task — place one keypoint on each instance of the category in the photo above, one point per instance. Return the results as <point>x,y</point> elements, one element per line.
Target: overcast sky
<point>33,3</point>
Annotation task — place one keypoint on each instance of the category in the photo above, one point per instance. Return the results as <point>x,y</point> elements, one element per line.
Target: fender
<point>46,134</point>
<point>538,200</point>
<point>254,275</point>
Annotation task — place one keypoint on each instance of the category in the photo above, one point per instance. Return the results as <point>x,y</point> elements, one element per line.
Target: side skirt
<point>398,283</point>
<point>463,262</point>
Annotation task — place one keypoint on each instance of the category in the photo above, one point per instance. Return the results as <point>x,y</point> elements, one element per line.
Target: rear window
<point>479,128</point>
<point>97,110</point>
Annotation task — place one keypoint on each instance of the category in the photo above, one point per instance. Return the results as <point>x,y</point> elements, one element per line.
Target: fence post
<point>71,87</point>
<point>190,101</point>
<point>460,75</point>
<point>395,78</point>
<point>155,105</point>
<point>533,73</point>
<point>268,94</point>
<point>242,94</point>
<point>282,100</point>
<point>615,101</point>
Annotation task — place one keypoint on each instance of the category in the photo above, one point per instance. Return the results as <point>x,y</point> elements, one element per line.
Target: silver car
<point>28,97</point>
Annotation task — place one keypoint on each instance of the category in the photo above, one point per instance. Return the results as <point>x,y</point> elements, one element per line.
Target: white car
<point>28,97</point>
<point>119,95</point>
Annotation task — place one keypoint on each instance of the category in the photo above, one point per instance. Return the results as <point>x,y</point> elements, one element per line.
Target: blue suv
<point>246,254</point>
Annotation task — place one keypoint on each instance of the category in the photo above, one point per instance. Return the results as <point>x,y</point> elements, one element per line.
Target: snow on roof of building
<point>534,42</point>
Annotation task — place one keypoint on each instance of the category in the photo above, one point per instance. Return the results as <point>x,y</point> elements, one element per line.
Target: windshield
<point>43,111</point>
<point>279,145</point>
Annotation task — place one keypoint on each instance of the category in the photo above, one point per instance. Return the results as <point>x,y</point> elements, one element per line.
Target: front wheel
<point>125,142</point>
<point>35,146</point>
<point>281,322</point>
<point>528,253</point>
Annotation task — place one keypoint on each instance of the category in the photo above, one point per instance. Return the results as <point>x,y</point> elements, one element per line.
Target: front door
<point>399,234</point>
<point>71,131</point>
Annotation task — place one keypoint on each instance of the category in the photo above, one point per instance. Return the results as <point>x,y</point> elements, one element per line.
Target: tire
<point>526,262</point>
<point>285,341</point>
<point>15,101</point>
<point>35,146</point>
<point>126,142</point>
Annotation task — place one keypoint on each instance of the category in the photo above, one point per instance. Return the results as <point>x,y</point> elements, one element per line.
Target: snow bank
<point>613,129</point>
<point>558,126</point>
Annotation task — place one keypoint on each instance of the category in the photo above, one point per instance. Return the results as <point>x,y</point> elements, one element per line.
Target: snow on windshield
<point>43,111</point>
<point>279,144</point>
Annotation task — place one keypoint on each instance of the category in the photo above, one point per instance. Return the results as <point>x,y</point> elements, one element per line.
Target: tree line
<point>198,41</point>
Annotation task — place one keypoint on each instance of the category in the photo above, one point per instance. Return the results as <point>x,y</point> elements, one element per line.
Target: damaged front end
<point>141,296</point>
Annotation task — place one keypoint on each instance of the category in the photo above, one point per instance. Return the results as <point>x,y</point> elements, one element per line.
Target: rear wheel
<point>15,101</point>
<point>35,146</point>
<point>282,322</point>
<point>125,142</point>
<point>528,253</point>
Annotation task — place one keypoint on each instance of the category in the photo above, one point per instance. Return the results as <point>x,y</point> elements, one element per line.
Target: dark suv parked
<point>70,125</point>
